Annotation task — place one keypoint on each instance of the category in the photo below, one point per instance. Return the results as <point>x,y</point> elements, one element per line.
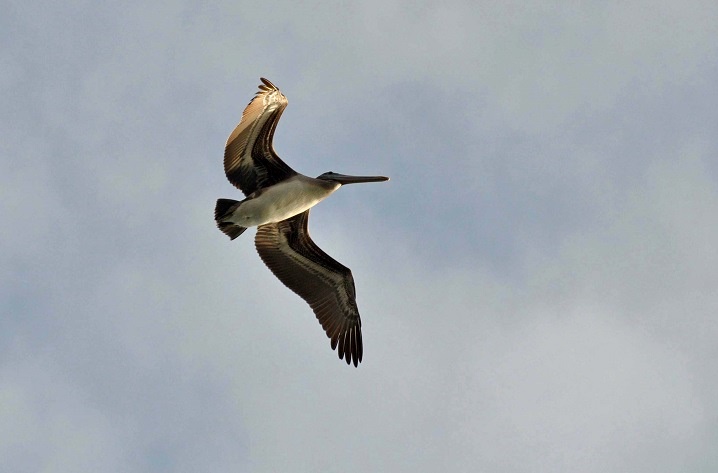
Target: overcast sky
<point>538,282</point>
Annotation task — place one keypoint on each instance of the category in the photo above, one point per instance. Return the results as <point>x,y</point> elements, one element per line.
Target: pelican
<point>277,202</point>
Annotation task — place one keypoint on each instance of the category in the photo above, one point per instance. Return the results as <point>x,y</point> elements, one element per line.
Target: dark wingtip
<point>349,347</point>
<point>266,85</point>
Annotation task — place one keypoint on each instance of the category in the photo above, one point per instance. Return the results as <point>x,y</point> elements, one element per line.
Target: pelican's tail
<point>223,210</point>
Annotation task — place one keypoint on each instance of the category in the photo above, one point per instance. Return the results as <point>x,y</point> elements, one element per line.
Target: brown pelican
<point>278,202</point>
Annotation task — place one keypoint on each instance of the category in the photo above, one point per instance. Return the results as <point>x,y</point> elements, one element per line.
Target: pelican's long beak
<point>346,179</point>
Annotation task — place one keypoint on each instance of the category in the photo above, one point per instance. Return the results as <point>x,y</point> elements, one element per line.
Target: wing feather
<point>324,283</point>
<point>250,161</point>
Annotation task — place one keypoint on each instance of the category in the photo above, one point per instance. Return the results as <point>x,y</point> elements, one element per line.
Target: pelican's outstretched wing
<point>249,158</point>
<point>325,284</point>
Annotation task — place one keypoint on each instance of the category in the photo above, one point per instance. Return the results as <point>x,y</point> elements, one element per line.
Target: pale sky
<point>537,282</point>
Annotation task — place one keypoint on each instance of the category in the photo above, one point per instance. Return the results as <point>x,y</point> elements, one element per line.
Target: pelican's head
<point>345,179</point>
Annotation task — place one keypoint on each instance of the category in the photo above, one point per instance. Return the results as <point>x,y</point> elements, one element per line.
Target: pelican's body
<point>278,202</point>
<point>281,201</point>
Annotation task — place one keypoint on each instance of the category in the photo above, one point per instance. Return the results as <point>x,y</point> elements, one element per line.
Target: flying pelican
<point>278,202</point>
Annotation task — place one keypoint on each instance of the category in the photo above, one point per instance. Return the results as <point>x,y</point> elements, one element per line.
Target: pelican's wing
<point>325,284</point>
<point>249,158</point>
